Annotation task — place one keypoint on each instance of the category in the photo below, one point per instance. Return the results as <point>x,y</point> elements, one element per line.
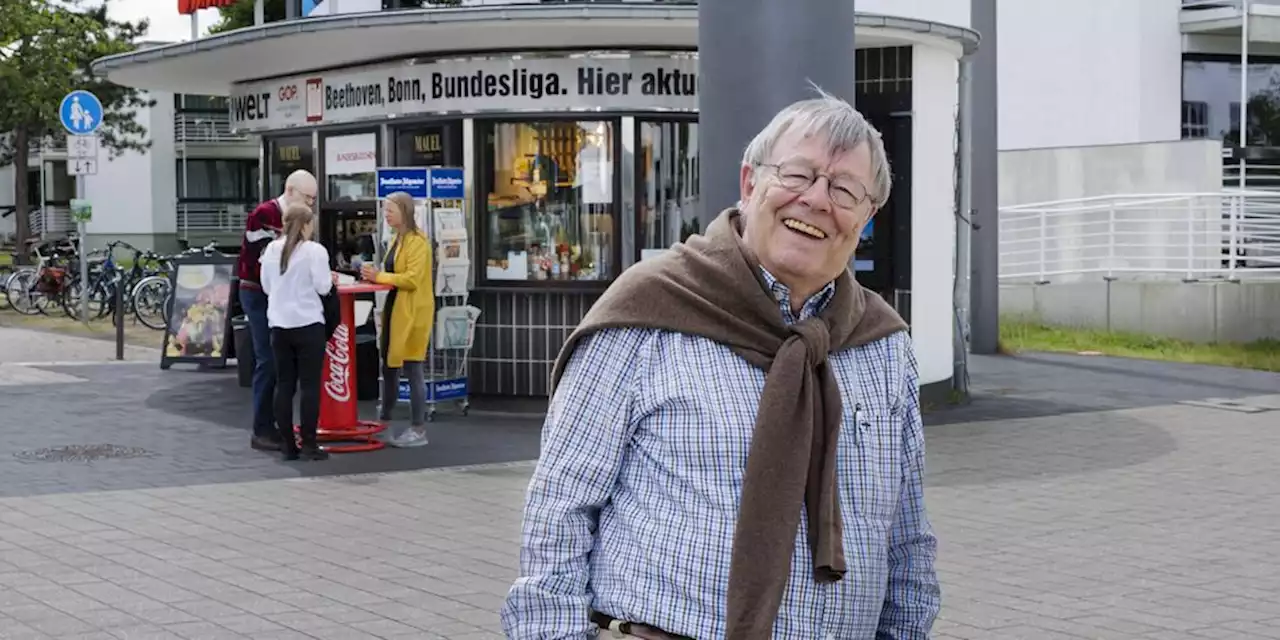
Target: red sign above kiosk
<point>188,7</point>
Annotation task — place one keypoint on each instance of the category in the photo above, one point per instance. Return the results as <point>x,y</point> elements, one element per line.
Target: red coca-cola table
<point>339,412</point>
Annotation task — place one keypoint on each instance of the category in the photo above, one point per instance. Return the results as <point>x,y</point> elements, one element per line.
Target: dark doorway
<point>883,261</point>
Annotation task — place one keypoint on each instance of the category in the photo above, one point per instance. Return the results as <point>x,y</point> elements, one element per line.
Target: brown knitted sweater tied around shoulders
<point>711,286</point>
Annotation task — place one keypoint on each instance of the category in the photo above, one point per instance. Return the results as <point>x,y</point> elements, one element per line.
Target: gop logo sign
<point>287,92</point>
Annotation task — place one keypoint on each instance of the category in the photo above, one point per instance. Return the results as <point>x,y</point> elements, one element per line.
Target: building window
<point>218,180</point>
<point>59,187</point>
<point>435,145</point>
<point>284,156</point>
<point>1211,94</point>
<point>551,211</point>
<point>350,167</point>
<point>1195,120</point>
<point>882,70</point>
<point>668,185</point>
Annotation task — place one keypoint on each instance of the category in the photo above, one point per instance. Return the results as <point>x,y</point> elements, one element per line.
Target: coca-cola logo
<point>338,386</point>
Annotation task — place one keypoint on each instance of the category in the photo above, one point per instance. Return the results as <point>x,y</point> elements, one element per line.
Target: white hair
<point>300,178</point>
<point>843,127</point>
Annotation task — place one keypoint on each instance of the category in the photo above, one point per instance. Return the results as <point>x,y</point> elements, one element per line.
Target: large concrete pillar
<point>984,285</point>
<point>755,57</point>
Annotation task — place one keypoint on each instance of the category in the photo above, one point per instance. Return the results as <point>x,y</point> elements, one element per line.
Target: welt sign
<point>614,82</point>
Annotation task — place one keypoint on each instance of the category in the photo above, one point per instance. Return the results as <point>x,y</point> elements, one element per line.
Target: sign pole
<point>81,114</point>
<point>81,228</point>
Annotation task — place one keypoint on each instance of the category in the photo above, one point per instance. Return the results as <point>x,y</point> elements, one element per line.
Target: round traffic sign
<point>80,112</point>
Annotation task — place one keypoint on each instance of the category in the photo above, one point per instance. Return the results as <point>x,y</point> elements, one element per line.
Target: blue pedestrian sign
<point>81,112</point>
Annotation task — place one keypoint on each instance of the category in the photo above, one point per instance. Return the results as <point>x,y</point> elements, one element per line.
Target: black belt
<point>604,621</point>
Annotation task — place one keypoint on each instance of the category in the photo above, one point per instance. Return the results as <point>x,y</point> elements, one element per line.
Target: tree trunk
<point>21,217</point>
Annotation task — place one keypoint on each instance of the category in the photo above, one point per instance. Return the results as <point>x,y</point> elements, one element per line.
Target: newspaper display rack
<point>439,193</point>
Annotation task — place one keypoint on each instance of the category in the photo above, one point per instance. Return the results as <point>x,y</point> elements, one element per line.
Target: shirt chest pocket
<point>870,463</point>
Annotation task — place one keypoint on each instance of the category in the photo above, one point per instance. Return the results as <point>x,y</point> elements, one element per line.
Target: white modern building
<point>1098,73</point>
<point>1121,165</point>
<point>1077,74</point>
<point>1095,97</point>
<point>192,186</point>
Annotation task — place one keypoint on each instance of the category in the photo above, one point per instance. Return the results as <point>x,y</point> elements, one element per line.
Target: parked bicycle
<point>32,290</point>
<point>153,295</point>
<point>106,276</point>
<point>54,280</point>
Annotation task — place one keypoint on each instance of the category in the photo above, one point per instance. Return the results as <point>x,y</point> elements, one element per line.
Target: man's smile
<point>804,228</point>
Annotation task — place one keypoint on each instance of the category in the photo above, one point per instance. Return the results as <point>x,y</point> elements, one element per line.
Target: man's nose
<point>818,195</point>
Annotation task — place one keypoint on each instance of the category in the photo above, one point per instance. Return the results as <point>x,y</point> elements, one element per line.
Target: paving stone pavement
<point>1075,498</point>
<point>26,345</point>
<point>1158,522</point>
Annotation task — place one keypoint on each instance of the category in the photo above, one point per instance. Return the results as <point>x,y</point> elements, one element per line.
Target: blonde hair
<point>404,202</point>
<point>296,219</point>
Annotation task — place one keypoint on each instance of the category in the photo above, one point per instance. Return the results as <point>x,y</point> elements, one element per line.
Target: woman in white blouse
<point>295,273</point>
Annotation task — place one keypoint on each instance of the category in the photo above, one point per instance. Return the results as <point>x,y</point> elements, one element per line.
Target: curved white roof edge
<point>967,38</point>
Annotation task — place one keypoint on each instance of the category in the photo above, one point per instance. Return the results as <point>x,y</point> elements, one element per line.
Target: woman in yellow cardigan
<point>407,316</point>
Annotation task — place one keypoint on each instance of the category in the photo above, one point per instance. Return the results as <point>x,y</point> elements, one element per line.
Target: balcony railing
<point>204,127</point>
<point>52,221</point>
<point>1231,235</point>
<point>211,218</point>
<point>1223,4</point>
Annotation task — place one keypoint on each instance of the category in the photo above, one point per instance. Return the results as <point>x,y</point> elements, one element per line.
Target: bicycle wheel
<point>21,292</point>
<point>98,300</point>
<point>6,272</point>
<point>152,299</point>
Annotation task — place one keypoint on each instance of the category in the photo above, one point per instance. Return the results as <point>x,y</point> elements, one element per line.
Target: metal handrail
<point>204,218</point>
<point>203,126</point>
<point>1230,234</point>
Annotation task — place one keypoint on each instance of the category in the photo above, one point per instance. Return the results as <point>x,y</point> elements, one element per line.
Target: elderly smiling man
<point>734,447</point>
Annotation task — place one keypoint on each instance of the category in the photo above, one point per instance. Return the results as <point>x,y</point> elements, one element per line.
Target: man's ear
<point>746,183</point>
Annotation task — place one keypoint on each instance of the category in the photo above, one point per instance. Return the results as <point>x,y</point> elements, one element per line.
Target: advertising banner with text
<point>492,84</point>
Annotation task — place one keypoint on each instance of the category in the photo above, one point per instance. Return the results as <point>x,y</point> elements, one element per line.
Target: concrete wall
<point>1078,242</point>
<point>1088,72</point>
<point>7,228</point>
<point>935,74</point>
<point>1062,173</point>
<point>1196,311</point>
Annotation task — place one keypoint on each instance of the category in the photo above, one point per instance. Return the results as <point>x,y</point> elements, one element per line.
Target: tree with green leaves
<point>46,48</point>
<point>240,15</point>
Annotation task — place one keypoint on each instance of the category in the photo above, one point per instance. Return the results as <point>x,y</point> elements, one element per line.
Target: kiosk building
<point>577,129</point>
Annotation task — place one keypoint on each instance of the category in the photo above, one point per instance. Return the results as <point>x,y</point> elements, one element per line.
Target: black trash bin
<point>368,361</point>
<point>244,350</point>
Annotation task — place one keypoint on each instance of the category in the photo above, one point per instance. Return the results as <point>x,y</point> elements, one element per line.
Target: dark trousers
<point>254,302</point>
<point>299,356</point>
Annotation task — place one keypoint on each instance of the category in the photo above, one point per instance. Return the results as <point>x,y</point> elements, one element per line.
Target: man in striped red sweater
<point>261,227</point>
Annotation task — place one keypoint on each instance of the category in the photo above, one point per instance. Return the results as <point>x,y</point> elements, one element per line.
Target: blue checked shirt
<point>632,507</point>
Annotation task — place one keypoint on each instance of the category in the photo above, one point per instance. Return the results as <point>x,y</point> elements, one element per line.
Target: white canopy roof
<point>209,66</point>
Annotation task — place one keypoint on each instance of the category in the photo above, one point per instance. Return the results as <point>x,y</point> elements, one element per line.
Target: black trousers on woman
<point>299,358</point>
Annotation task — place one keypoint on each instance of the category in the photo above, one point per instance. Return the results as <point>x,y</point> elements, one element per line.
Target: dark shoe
<point>314,453</point>
<point>265,443</point>
<point>290,454</point>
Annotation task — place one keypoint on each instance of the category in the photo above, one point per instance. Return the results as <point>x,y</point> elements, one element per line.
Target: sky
<point>166,23</point>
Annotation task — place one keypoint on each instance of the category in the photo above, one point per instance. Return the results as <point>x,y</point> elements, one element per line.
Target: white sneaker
<point>409,438</point>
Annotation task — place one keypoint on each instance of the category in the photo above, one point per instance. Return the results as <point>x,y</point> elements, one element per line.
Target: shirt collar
<point>812,307</point>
